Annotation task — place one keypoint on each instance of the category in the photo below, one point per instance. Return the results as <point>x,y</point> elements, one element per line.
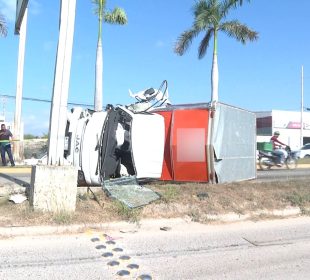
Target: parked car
<point>304,151</point>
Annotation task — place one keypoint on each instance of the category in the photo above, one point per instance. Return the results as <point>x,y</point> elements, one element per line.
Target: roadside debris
<point>17,198</point>
<point>165,228</point>
<point>128,191</point>
<point>202,195</point>
<point>95,197</point>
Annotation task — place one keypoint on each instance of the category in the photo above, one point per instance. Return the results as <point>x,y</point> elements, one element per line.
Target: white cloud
<point>8,9</point>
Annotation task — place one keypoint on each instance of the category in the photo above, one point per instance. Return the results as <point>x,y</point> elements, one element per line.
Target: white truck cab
<point>114,143</point>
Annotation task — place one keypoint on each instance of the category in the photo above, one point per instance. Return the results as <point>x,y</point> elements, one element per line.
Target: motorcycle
<point>266,160</point>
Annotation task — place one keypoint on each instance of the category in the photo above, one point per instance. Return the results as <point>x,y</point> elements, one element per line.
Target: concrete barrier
<point>53,188</point>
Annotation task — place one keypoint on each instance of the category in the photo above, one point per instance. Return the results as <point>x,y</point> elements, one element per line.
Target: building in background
<point>288,123</point>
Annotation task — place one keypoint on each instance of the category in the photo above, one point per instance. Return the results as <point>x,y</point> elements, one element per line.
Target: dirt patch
<point>194,201</point>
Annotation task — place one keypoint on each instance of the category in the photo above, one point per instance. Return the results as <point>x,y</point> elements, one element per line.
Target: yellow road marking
<point>6,170</point>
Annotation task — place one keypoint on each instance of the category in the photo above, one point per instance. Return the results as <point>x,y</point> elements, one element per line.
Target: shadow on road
<point>15,180</point>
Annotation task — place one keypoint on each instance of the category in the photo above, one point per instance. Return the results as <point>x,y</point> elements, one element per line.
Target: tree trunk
<point>215,80</point>
<point>215,73</point>
<point>98,78</point>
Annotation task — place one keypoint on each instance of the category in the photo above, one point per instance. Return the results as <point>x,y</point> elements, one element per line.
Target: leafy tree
<point>116,16</point>
<point>29,136</point>
<point>3,27</point>
<point>45,135</point>
<point>209,19</point>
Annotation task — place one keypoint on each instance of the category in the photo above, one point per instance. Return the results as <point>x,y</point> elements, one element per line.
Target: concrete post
<point>53,188</point>
<point>58,114</point>
<point>18,150</point>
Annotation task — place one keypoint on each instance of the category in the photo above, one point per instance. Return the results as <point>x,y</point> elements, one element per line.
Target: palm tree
<point>116,16</point>
<point>209,16</point>
<point>3,27</point>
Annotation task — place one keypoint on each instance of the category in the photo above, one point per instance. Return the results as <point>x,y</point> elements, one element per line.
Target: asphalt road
<point>14,180</point>
<point>158,250</point>
<point>21,176</point>
<point>279,174</point>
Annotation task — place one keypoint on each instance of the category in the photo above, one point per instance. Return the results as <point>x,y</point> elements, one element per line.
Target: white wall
<point>288,124</point>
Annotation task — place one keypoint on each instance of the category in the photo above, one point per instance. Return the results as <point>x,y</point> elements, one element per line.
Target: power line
<point>43,100</point>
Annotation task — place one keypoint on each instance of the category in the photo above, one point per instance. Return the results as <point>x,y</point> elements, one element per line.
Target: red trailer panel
<point>167,171</point>
<point>185,149</point>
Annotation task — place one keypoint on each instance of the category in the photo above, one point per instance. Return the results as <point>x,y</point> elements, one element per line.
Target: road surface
<point>20,177</point>
<point>165,250</point>
<point>279,174</point>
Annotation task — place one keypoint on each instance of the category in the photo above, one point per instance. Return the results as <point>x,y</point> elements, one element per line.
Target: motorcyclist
<point>277,148</point>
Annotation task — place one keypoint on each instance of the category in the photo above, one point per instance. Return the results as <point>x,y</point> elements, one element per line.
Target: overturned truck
<point>193,142</point>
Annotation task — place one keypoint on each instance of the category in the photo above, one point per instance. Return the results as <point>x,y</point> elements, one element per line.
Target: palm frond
<point>235,3</point>
<point>206,13</point>
<point>117,16</point>
<point>208,17</point>
<point>206,20</point>
<point>202,6</point>
<point>230,4</point>
<point>185,40</point>
<point>97,6</point>
<point>204,44</point>
<point>239,31</point>
<point>3,26</point>
<point>240,2</point>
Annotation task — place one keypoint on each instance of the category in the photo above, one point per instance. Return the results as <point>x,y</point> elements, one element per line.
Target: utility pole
<point>58,113</point>
<point>302,108</point>
<point>53,187</point>
<point>18,150</point>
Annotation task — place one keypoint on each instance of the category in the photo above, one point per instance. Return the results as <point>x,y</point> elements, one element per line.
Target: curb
<point>15,169</point>
<point>15,231</point>
<point>146,224</point>
<point>278,213</point>
<point>299,166</point>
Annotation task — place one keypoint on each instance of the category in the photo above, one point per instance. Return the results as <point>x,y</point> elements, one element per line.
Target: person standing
<point>5,145</point>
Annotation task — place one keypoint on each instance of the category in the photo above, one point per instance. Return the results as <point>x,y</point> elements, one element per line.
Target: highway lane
<point>163,250</point>
<point>22,176</point>
<point>280,174</point>
<point>18,179</point>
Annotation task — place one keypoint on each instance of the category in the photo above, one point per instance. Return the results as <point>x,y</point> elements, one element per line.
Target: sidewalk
<point>146,224</point>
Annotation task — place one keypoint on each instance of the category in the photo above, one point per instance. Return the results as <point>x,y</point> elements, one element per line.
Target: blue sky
<point>258,76</point>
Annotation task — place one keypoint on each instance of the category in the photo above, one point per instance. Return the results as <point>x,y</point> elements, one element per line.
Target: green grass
<point>126,213</point>
<point>300,200</point>
<point>4,200</point>
<point>62,217</point>
<point>84,197</point>
<point>170,193</point>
